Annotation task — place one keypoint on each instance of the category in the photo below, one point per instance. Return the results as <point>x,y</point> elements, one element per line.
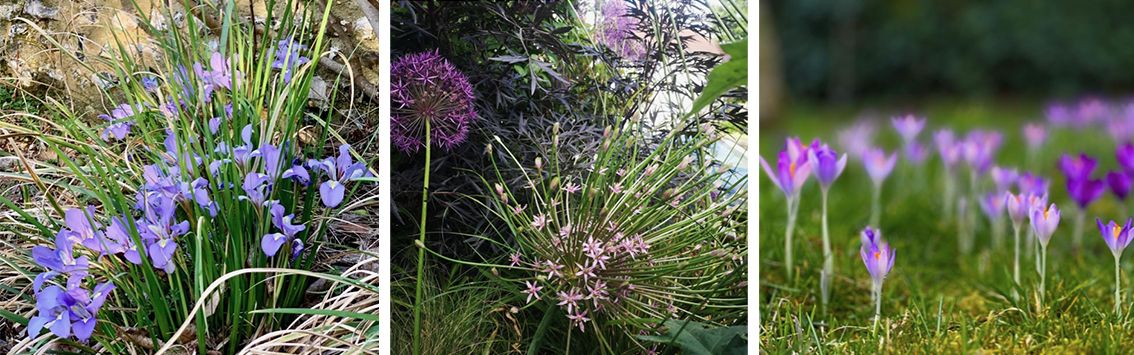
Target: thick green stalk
<point>421,248</point>
<point>828,259</point>
<point>877,301</point>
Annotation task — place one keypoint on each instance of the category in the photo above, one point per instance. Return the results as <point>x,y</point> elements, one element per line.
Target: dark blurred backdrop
<point>840,51</point>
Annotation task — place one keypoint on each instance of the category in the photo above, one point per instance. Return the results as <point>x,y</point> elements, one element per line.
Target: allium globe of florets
<point>616,30</point>
<point>427,88</point>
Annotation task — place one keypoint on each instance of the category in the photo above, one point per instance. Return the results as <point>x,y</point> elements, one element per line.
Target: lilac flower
<point>908,126</point>
<point>617,30</point>
<point>1035,134</point>
<point>427,90</point>
<point>1004,178</point>
<point>340,171</point>
<point>288,57</point>
<point>878,165</point>
<point>272,242</point>
<point>532,290</point>
<point>1119,184</point>
<point>120,122</point>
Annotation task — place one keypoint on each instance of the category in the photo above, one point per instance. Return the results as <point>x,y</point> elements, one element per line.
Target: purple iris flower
<point>200,193</point>
<point>878,165</point>
<point>81,225</point>
<point>1035,134</point>
<point>1077,168</point>
<point>1032,184</point>
<point>876,254</point>
<point>340,171</point>
<point>1116,237</point>
<point>120,122</point>
<point>219,75</point>
<point>296,248</point>
<point>113,241</point>
<point>1044,221</point>
<point>908,126</point>
<point>826,163</point>
<point>150,84</point>
<point>59,261</point>
<point>1004,178</point>
<point>272,242</point>
<point>1125,156</point>
<point>214,125</point>
<point>288,57</point>
<point>256,188</point>
<point>244,153</point>
<point>160,231</point>
<point>298,173</point>
<point>271,157</point>
<point>1119,184</point>
<point>64,312</point>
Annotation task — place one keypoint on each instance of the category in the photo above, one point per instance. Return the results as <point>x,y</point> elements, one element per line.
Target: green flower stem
<point>1077,238</point>
<point>877,301</point>
<point>1117,286</point>
<point>875,207</point>
<point>947,196</point>
<point>421,249</point>
<point>1043,274</point>
<point>792,206</point>
<point>828,259</point>
<point>1016,254</point>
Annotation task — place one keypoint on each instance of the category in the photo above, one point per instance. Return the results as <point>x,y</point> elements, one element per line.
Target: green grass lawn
<point>936,299</point>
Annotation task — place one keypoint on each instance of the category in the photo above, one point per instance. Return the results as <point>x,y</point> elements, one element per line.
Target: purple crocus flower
<point>908,126</point>
<point>1020,205</point>
<point>857,138</point>
<point>1086,191</point>
<point>789,175</point>
<point>1035,134</point>
<point>340,170</point>
<point>1032,184</point>
<point>1058,114</point>
<point>120,122</point>
<point>979,149</point>
<point>1125,156</point>
<point>915,153</point>
<point>992,205</point>
<point>1077,168</point>
<point>947,147</point>
<point>876,254</point>
<point>1117,237</point>
<point>1044,220</point>
<point>1004,178</point>
<point>878,165</point>
<point>1119,184</point>
<point>826,164</point>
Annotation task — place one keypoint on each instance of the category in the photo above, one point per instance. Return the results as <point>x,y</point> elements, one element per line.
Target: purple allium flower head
<point>1117,237</point>
<point>1125,156</point>
<point>789,174</point>
<point>876,254</point>
<point>288,57</point>
<point>1029,183</point>
<point>878,165</point>
<point>1004,178</point>
<point>1035,134</point>
<point>947,147</point>
<point>908,126</point>
<point>532,290</point>
<point>1079,168</point>
<point>1044,220</point>
<point>1119,184</point>
<point>617,30</point>
<point>120,119</point>
<point>427,88</point>
<point>915,153</point>
<point>992,205</point>
<point>826,164</point>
